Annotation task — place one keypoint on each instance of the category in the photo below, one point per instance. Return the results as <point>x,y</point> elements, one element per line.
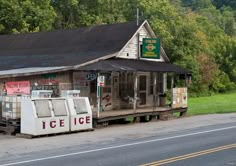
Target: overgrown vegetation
<point>199,35</point>
<point>221,103</point>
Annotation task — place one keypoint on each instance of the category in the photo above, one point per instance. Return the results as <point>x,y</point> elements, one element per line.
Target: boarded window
<point>59,107</point>
<point>80,106</point>
<point>42,108</point>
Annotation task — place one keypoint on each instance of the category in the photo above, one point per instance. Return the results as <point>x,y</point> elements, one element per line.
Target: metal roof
<point>45,52</point>
<point>118,64</point>
<point>29,71</point>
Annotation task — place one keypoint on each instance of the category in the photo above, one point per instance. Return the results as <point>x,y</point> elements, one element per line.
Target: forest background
<point>199,35</point>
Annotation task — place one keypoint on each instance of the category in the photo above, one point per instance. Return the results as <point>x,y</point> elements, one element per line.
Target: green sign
<point>151,48</point>
<point>50,75</point>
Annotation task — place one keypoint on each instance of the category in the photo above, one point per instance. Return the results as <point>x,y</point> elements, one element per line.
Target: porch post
<point>135,90</point>
<point>172,81</point>
<point>164,82</point>
<point>154,90</point>
<point>172,86</point>
<point>98,95</point>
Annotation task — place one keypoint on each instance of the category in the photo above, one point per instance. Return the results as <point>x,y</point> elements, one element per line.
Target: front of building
<point>120,67</point>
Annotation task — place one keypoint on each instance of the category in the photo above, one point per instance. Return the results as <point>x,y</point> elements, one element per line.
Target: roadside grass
<point>221,103</point>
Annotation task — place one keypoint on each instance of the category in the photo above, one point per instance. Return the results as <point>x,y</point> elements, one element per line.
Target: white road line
<point>119,146</point>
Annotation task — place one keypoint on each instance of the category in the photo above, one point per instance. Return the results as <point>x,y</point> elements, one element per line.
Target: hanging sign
<point>18,88</point>
<point>48,82</point>
<point>151,48</point>
<point>50,75</point>
<point>91,76</point>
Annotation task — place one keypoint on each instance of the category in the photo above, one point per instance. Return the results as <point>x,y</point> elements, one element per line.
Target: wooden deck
<point>162,113</point>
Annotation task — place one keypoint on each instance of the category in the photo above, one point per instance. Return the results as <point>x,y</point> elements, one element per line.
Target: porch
<point>138,115</point>
<point>132,88</point>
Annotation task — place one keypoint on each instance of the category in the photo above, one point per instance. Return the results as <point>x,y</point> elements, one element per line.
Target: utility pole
<point>137,16</point>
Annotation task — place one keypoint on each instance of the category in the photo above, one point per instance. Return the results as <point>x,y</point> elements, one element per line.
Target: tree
<point>221,3</point>
<point>76,13</point>
<point>199,35</point>
<point>25,16</point>
<point>67,13</point>
<point>229,21</point>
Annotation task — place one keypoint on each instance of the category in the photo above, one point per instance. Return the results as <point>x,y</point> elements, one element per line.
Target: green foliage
<point>222,83</point>
<point>75,13</point>
<point>199,35</point>
<point>221,3</point>
<point>67,13</point>
<point>225,17</point>
<point>25,16</point>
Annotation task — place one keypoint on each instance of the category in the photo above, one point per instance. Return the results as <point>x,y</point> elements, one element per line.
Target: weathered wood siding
<point>63,80</point>
<point>132,49</point>
<point>115,91</point>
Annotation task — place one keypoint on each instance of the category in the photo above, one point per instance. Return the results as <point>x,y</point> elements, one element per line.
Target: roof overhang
<point>134,65</point>
<point>32,71</point>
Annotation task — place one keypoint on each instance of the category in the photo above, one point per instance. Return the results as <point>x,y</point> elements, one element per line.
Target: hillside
<point>197,34</point>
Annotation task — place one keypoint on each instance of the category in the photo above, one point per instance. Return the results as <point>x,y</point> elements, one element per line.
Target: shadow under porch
<point>132,88</point>
<point>139,115</point>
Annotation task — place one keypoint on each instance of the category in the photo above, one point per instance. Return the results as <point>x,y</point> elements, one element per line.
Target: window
<point>140,50</point>
<point>59,107</point>
<point>42,108</point>
<point>80,106</point>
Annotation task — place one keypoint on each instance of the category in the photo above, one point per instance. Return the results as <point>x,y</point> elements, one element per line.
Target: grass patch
<point>221,103</point>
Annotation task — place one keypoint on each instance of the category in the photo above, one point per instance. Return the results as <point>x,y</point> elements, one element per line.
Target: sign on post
<point>151,48</point>
<point>179,98</point>
<point>101,81</point>
<point>98,91</point>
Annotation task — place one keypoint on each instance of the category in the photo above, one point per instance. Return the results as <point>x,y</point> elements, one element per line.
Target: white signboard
<point>101,81</point>
<point>179,98</point>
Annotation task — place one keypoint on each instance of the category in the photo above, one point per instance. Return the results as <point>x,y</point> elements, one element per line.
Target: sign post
<point>100,84</point>
<point>98,96</point>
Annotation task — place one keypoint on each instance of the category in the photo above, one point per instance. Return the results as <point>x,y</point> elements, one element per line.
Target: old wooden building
<point>131,85</point>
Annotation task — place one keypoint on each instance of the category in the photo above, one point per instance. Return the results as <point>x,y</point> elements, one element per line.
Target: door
<point>142,91</point>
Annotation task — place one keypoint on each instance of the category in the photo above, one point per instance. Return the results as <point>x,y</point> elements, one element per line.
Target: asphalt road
<point>210,145</point>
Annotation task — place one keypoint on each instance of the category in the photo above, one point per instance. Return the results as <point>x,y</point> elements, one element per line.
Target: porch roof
<point>118,64</point>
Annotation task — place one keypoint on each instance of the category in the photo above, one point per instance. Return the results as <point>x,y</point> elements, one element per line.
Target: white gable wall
<point>131,50</point>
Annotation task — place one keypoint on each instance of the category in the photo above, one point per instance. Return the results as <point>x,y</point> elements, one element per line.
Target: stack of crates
<point>11,107</point>
<point>0,109</point>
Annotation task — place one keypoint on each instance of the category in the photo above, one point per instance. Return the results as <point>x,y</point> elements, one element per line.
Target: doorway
<point>142,90</point>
